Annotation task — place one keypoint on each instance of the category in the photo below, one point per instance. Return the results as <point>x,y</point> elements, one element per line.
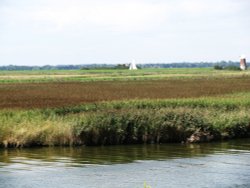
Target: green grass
<point>112,74</point>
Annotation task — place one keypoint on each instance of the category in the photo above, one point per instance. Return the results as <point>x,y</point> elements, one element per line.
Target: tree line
<point>122,66</point>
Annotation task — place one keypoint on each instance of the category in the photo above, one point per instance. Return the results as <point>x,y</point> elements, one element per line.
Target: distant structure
<point>243,62</point>
<point>132,65</point>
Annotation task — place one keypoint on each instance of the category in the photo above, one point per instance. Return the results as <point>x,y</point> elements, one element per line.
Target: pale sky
<point>40,32</point>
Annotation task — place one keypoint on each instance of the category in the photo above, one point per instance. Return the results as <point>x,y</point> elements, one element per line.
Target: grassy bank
<point>130,122</point>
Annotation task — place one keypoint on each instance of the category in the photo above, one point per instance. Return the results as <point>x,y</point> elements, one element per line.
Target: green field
<point>130,107</point>
<point>112,75</point>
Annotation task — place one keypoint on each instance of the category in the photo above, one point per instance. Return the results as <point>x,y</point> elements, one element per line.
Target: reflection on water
<point>171,165</point>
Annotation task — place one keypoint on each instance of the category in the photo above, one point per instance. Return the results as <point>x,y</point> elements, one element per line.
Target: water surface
<point>225,164</point>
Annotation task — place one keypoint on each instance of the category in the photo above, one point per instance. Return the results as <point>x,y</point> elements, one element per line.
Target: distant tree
<point>121,66</point>
<point>231,67</point>
<point>218,67</point>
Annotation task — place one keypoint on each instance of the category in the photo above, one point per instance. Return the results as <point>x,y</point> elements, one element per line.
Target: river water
<point>225,164</point>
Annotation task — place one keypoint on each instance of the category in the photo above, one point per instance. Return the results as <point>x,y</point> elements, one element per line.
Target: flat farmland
<point>63,94</point>
<point>39,76</point>
<point>99,107</point>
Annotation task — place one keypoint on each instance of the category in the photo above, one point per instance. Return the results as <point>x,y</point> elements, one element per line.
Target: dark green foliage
<point>238,129</point>
<point>144,126</point>
<point>228,67</point>
<point>232,68</point>
<point>218,67</point>
<point>121,66</point>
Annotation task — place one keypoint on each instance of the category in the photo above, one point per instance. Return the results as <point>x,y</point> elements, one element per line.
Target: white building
<point>243,63</point>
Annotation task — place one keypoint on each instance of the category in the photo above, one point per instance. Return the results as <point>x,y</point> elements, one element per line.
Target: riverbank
<point>129,122</point>
<point>205,105</point>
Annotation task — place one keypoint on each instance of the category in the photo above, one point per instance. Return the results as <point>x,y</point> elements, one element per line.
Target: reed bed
<point>127,122</point>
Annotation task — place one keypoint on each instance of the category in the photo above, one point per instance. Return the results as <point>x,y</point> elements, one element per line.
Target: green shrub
<point>218,67</point>
<point>233,68</point>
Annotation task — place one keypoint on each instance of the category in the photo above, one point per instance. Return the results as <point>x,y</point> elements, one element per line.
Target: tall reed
<point>120,123</point>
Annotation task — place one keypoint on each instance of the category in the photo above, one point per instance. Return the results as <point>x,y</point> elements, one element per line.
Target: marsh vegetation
<point>124,112</point>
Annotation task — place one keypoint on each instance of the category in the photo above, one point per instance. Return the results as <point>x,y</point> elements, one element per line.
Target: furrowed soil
<point>62,94</point>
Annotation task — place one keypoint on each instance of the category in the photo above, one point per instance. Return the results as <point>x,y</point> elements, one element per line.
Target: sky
<point>57,32</point>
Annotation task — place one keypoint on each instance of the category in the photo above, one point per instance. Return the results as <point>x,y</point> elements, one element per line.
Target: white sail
<point>132,65</point>
<point>242,57</point>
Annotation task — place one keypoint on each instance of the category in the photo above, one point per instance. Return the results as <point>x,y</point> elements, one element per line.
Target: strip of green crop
<point>113,75</point>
